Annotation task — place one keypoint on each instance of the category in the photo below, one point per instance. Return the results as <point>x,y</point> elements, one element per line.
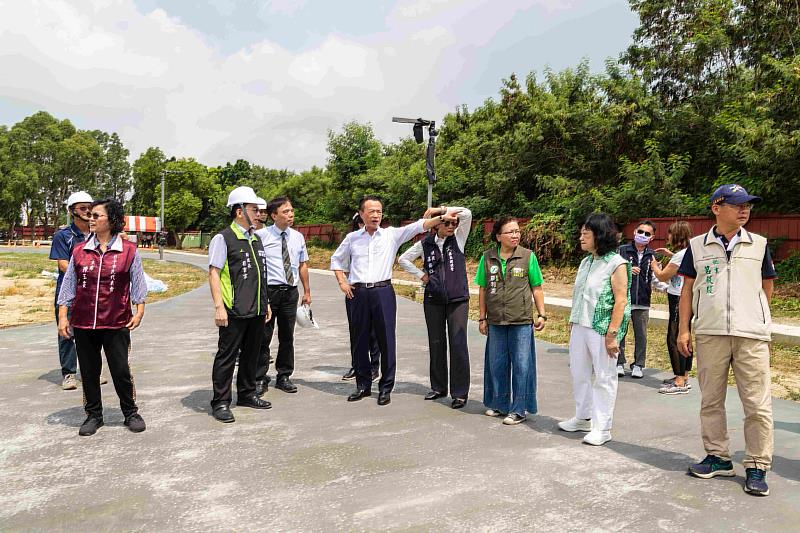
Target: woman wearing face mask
<point>510,284</point>
<point>599,319</point>
<point>678,240</point>
<point>640,257</point>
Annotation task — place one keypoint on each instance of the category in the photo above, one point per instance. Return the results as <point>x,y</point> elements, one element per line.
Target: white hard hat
<point>306,318</point>
<point>262,204</point>
<point>78,198</point>
<point>242,195</point>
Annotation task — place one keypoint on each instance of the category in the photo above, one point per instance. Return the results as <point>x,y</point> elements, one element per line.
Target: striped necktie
<point>287,262</point>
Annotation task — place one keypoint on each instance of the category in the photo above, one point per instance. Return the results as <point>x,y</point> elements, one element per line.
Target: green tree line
<point>708,92</point>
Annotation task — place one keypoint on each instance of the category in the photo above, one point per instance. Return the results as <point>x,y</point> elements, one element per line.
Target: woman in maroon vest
<point>103,278</point>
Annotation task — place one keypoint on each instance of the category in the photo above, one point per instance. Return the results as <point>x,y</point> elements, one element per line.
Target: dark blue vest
<point>447,276</point>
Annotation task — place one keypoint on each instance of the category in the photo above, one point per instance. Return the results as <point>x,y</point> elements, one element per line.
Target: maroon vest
<point>102,295</point>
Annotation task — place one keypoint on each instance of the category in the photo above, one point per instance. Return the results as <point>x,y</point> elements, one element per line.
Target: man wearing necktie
<point>287,263</point>
<point>371,253</point>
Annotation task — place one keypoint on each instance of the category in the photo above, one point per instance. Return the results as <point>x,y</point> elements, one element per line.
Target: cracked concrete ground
<point>317,463</point>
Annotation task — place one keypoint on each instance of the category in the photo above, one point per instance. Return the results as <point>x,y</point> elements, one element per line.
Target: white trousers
<point>587,353</point>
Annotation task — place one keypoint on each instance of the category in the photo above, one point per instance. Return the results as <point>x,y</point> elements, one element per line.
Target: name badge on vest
<point>517,272</point>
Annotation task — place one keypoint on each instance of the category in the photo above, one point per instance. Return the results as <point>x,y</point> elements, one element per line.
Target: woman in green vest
<point>510,283</point>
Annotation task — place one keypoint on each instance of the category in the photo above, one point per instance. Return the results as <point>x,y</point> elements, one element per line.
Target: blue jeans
<point>66,351</point>
<point>509,370</point>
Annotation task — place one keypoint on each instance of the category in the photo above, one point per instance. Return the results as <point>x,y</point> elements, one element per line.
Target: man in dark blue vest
<point>446,303</point>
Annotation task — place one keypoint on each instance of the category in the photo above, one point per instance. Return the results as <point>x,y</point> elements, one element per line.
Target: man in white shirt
<point>371,253</point>
<point>287,263</point>
<point>446,303</point>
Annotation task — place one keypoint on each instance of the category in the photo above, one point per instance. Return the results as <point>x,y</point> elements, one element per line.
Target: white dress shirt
<point>273,246</point>
<point>372,257</point>
<point>415,252</point>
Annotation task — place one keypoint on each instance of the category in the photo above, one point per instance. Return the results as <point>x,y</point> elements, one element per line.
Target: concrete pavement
<point>317,463</point>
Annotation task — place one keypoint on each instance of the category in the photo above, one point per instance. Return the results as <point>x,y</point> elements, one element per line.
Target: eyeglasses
<point>97,215</point>
<point>448,223</point>
<point>643,232</point>
<point>747,206</point>
<point>82,208</point>
<point>512,232</point>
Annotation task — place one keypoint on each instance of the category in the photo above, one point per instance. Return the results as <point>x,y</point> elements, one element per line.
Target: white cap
<point>262,204</point>
<point>78,198</point>
<point>242,195</point>
<point>305,318</point>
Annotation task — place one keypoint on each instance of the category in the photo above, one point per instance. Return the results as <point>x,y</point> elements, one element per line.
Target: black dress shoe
<point>285,385</point>
<point>458,403</point>
<point>223,414</point>
<point>90,426</point>
<point>384,398</point>
<point>358,394</point>
<point>350,375</point>
<point>254,402</point>
<point>433,395</point>
<point>262,387</point>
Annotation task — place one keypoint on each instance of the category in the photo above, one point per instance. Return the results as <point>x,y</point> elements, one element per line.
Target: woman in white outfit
<point>599,318</point>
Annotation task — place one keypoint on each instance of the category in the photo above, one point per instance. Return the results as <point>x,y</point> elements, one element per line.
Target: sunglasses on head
<point>643,232</point>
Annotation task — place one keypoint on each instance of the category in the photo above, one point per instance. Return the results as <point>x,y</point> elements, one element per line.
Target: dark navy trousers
<point>374,309</point>
<point>374,351</point>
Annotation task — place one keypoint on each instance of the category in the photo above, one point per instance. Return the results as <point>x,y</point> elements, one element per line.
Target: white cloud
<point>158,82</point>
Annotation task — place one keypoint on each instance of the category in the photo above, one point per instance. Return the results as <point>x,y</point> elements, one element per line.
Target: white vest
<point>727,297</point>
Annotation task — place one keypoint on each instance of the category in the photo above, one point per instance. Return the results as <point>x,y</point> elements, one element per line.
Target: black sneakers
<point>90,426</point>
<point>756,482</point>
<point>712,466</point>
<point>135,423</point>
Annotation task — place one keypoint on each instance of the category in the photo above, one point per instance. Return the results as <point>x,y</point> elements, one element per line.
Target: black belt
<point>282,287</point>
<point>386,283</point>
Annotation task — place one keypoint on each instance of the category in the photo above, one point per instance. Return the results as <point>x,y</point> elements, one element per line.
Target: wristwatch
<point>612,332</point>
<point>543,316</point>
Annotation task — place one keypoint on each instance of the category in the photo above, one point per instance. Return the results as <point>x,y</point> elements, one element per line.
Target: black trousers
<point>374,309</point>
<point>680,365</point>
<point>242,337</point>
<point>447,325</point>
<point>374,351</point>
<point>116,344</point>
<point>283,304</point>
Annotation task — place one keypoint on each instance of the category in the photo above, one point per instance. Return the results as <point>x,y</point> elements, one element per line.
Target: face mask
<point>641,239</point>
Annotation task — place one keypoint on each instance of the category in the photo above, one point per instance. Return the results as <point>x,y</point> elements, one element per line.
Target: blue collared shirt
<point>272,239</point>
<point>64,241</point>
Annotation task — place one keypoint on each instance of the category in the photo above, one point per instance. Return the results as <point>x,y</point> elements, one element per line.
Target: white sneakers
<point>575,424</point>
<point>69,383</point>
<point>597,437</point>
<point>492,412</point>
<point>636,372</point>
<point>621,371</point>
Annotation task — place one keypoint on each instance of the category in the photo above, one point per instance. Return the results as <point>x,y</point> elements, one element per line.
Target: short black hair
<point>648,223</point>
<point>275,203</point>
<point>367,198</point>
<point>498,225</point>
<point>115,212</point>
<point>234,208</point>
<point>604,231</point>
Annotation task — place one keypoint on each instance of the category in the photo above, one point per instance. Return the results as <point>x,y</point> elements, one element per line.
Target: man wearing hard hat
<point>237,275</point>
<point>78,206</point>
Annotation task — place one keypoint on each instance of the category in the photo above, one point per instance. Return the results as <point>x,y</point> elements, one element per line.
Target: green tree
<point>351,152</point>
<point>114,178</point>
<point>187,187</point>
<point>147,171</point>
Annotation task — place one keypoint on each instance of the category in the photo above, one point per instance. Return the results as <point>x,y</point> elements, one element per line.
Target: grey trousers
<point>639,320</point>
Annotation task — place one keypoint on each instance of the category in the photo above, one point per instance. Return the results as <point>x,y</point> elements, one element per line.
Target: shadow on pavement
<point>793,427</point>
<point>74,416</point>
<point>54,376</point>
<point>198,401</point>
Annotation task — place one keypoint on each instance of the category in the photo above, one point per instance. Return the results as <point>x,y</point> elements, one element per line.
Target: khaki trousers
<point>715,354</point>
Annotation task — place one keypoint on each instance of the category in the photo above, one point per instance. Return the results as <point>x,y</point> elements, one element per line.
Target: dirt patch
<point>26,301</point>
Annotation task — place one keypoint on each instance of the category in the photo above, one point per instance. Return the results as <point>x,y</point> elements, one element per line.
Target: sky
<point>264,80</point>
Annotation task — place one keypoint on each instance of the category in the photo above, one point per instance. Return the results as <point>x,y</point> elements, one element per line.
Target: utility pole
<point>430,151</point>
<point>160,240</point>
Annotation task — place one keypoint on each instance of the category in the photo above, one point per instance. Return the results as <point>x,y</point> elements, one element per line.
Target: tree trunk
<point>178,240</point>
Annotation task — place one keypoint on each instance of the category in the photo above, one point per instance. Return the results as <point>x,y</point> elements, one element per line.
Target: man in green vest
<point>237,274</point>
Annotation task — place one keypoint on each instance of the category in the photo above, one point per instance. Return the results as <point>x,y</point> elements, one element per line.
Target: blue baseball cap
<point>733,194</point>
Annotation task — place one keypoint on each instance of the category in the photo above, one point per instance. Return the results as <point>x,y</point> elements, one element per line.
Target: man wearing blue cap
<point>728,282</point>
